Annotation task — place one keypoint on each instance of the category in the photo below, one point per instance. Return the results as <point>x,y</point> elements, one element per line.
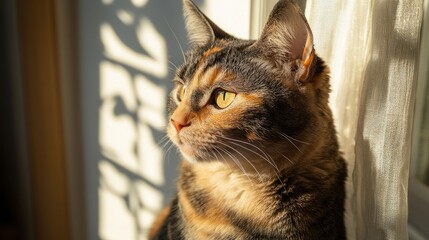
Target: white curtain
<point>372,49</point>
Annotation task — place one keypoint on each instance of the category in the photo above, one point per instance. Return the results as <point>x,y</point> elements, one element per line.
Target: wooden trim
<point>68,39</point>
<point>42,104</point>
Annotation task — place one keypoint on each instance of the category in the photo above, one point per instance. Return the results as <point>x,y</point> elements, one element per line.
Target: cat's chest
<point>241,195</point>
<point>229,194</point>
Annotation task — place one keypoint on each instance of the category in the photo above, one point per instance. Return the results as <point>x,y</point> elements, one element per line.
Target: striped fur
<point>267,166</point>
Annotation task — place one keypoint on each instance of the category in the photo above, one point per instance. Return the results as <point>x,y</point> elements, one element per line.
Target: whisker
<point>296,140</point>
<point>166,143</point>
<point>270,161</point>
<point>287,138</point>
<point>173,66</point>
<point>172,63</point>
<point>277,170</point>
<point>226,162</point>
<point>247,143</point>
<point>215,155</point>
<point>287,158</point>
<point>237,162</point>
<point>245,158</point>
<point>167,153</point>
<point>273,164</point>
<point>162,139</point>
<point>175,36</point>
<point>267,157</point>
<point>207,151</point>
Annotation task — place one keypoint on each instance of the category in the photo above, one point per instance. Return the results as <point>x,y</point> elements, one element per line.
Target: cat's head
<point>238,100</point>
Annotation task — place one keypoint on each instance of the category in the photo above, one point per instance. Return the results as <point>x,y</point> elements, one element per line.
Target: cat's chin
<point>192,155</point>
<point>188,153</point>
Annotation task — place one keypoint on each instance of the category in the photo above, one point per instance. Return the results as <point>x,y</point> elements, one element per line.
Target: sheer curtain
<point>372,48</point>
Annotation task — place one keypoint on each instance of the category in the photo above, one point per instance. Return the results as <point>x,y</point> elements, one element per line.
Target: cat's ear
<point>287,37</point>
<point>201,30</point>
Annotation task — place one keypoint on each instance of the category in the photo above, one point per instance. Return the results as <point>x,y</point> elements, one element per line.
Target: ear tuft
<point>201,30</point>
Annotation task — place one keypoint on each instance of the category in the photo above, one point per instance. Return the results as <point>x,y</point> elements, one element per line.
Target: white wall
<point>231,16</point>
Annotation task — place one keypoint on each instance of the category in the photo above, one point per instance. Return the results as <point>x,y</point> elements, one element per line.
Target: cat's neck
<point>216,190</point>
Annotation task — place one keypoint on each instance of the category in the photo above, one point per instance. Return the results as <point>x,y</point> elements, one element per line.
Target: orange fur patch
<point>206,54</point>
<point>252,136</point>
<point>211,51</point>
<point>159,221</point>
<point>214,73</point>
<point>201,225</point>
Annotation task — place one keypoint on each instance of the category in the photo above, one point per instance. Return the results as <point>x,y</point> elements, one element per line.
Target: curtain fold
<point>372,49</point>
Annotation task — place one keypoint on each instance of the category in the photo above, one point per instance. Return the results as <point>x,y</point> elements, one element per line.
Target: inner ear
<point>201,30</point>
<point>287,37</point>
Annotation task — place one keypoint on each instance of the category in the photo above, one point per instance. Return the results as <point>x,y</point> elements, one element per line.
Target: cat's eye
<point>224,98</point>
<point>181,92</point>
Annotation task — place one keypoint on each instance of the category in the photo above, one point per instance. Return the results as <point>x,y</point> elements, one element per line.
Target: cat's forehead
<point>222,61</point>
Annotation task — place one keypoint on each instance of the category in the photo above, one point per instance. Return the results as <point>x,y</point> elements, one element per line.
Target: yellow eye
<point>224,98</point>
<point>181,92</point>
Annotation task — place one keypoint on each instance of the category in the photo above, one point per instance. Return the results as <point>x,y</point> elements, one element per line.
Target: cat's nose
<point>179,124</point>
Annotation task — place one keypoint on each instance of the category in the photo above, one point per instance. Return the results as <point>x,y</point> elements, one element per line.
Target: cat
<point>252,122</point>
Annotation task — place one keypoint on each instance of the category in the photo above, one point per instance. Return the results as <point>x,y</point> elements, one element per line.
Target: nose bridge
<point>181,114</point>
<point>182,117</point>
<point>186,110</point>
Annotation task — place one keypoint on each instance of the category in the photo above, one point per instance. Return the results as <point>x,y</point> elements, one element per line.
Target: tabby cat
<point>251,119</point>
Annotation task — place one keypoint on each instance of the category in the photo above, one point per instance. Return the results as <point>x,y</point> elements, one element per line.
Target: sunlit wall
<point>129,50</point>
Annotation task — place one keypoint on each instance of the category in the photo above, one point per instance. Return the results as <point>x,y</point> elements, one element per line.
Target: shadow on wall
<point>129,51</point>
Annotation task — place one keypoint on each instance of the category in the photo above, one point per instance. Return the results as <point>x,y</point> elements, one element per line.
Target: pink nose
<point>179,124</point>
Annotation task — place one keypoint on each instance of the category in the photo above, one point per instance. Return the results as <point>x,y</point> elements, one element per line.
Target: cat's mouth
<point>184,146</point>
<point>191,150</point>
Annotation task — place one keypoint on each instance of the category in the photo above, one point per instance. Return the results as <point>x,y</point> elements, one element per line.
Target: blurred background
<point>83,89</point>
